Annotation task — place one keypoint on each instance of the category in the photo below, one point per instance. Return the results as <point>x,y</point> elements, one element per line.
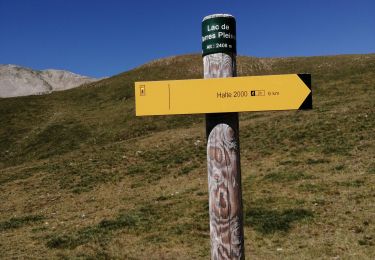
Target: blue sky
<point>103,38</point>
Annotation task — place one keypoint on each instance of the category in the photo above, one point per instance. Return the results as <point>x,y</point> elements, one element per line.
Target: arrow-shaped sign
<point>195,96</point>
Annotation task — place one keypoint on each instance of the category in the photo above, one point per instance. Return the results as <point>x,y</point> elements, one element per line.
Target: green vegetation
<point>286,176</point>
<point>17,222</point>
<point>87,179</point>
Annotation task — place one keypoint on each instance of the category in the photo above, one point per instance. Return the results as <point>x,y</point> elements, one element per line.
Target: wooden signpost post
<point>223,151</point>
<point>221,100</point>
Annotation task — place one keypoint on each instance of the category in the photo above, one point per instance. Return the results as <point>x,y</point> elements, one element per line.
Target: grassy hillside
<point>82,177</point>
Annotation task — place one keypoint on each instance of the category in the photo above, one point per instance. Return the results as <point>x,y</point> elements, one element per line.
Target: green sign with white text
<point>219,35</point>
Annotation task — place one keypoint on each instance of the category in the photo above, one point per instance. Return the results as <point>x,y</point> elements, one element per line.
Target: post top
<point>219,34</point>
<point>217,15</point>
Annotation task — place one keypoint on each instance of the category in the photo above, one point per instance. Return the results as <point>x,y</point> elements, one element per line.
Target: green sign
<point>219,34</point>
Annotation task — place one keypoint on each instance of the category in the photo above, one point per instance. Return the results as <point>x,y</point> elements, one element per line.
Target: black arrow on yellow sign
<point>306,78</point>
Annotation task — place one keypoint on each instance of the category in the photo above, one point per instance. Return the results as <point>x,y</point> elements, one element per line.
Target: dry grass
<point>81,177</point>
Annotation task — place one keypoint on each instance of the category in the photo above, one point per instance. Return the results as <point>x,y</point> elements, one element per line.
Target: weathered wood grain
<point>224,194</point>
<point>219,65</point>
<point>224,173</point>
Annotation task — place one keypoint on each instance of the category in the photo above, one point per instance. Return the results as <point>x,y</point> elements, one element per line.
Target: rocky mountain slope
<point>18,81</point>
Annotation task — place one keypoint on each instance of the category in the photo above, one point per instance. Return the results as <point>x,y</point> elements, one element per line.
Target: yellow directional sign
<point>194,96</point>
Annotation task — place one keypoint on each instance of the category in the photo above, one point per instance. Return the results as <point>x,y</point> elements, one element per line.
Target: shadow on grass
<point>153,222</point>
<point>268,221</point>
<point>100,231</point>
<point>17,222</point>
<point>139,220</point>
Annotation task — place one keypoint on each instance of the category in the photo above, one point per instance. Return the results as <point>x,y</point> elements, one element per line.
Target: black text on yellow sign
<point>238,94</point>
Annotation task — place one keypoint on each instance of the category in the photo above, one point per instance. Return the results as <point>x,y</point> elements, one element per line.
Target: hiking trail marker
<point>201,96</point>
<point>221,95</point>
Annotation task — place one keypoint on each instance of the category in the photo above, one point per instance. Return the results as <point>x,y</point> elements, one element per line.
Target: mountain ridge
<point>17,81</point>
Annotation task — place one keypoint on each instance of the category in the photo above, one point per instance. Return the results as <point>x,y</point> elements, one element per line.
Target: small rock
<point>357,229</point>
<point>279,249</point>
<point>196,143</point>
